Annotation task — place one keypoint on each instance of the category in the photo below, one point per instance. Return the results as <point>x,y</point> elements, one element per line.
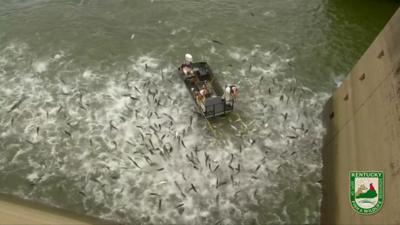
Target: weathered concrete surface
<point>17,211</point>
<point>363,122</point>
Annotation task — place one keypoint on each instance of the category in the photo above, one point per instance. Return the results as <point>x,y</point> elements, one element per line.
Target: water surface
<point>86,126</point>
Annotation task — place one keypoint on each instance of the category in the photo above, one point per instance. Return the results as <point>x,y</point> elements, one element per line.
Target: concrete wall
<point>363,122</point>
<point>17,211</point>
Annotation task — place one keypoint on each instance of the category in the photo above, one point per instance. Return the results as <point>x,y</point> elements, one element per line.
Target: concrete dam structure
<point>14,210</point>
<point>363,131</point>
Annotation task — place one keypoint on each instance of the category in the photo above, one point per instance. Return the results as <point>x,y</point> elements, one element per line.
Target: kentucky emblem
<point>366,191</point>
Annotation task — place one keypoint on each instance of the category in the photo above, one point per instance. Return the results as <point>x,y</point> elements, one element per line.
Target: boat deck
<point>214,104</point>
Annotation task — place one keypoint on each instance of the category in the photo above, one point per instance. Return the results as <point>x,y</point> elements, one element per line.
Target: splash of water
<point>123,143</point>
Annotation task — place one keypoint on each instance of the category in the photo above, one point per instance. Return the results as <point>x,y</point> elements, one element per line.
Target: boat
<point>210,98</point>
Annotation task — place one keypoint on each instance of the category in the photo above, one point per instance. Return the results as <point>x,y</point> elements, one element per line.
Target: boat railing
<point>227,106</point>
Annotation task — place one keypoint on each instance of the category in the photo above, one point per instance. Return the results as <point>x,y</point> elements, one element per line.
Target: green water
<point>77,63</point>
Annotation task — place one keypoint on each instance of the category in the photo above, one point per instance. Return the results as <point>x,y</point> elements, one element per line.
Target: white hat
<point>188,57</point>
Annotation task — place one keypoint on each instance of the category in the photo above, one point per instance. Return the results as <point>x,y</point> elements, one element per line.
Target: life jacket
<point>186,65</point>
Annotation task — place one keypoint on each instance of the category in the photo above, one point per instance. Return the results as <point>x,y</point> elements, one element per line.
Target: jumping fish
<point>133,98</point>
<point>180,205</point>
<point>183,176</point>
<point>170,117</point>
<point>183,143</point>
<point>230,167</point>
<point>292,136</point>
<point>255,193</point>
<point>180,190</point>
<point>151,143</point>
<point>238,168</point>
<point>217,42</point>
<point>133,161</point>
<point>192,187</point>
<point>112,126</point>
<point>230,161</point>
<point>148,160</point>
<point>261,79</point>
<point>215,169</point>
<point>137,89</point>
<point>207,157</point>
<point>285,116</point>
<point>115,144</point>
<point>220,184</point>
<point>68,133</point>
<point>258,167</point>
<point>254,177</point>
<point>190,121</point>
<point>154,129</point>
<point>17,104</point>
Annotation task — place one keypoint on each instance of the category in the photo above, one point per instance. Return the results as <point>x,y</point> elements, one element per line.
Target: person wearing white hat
<point>188,58</point>
<point>187,66</point>
<point>231,92</point>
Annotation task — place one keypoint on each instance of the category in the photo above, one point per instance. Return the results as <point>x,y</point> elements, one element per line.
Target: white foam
<point>87,74</point>
<point>40,66</point>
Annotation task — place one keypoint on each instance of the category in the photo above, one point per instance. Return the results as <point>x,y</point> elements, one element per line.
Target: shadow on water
<point>329,195</point>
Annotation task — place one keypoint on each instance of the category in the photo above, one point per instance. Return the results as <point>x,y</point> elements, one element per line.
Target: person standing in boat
<point>187,66</point>
<point>231,93</point>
